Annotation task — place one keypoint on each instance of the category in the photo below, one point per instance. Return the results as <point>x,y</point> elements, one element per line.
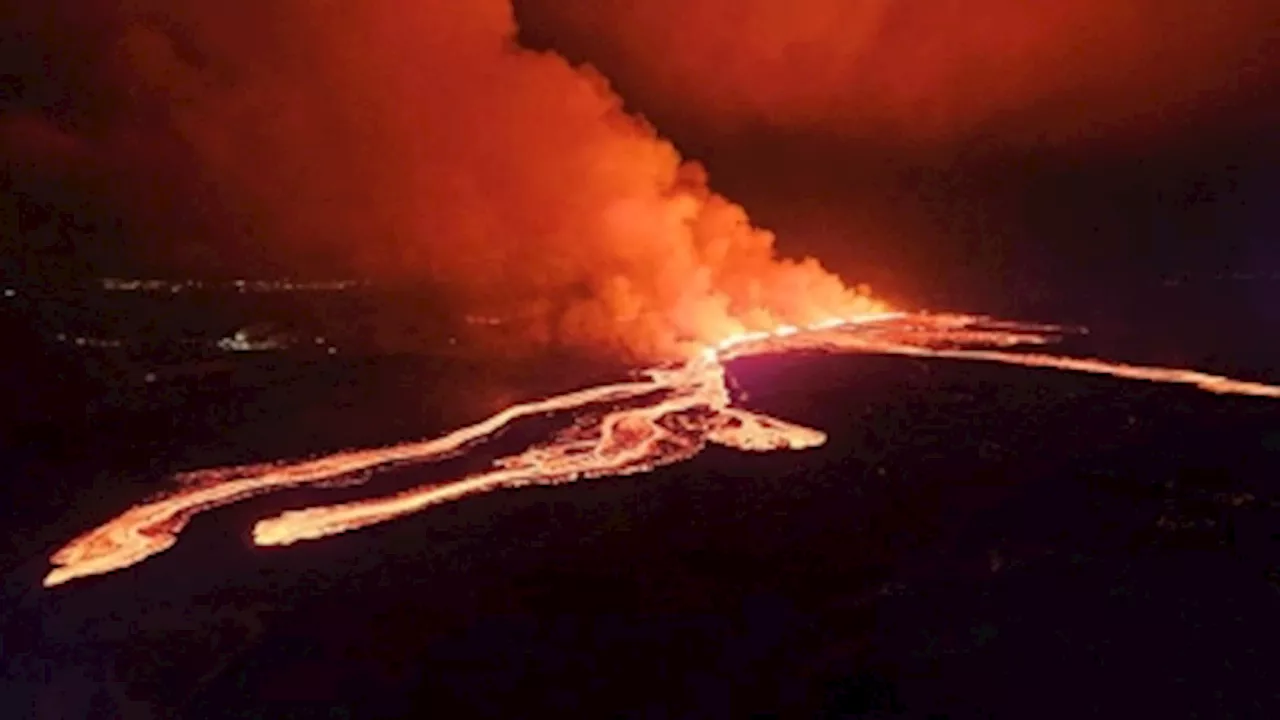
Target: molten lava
<point>664,416</point>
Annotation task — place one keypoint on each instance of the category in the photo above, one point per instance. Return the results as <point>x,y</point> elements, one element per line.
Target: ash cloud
<point>417,143</point>
<point>934,72</point>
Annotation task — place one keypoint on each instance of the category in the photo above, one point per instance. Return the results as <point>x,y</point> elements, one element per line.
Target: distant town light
<point>10,292</point>
<point>239,285</point>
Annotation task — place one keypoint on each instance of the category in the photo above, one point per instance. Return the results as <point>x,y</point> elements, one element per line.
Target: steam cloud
<point>936,71</point>
<point>416,141</point>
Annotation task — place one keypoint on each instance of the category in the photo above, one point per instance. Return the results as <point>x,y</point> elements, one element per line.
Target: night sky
<point>969,150</point>
<point>944,152</point>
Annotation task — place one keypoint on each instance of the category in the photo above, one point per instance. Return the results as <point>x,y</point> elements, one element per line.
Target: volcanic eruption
<point>417,142</point>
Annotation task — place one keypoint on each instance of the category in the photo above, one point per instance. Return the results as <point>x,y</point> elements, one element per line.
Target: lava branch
<point>152,527</point>
<point>670,416</point>
<point>623,442</point>
<point>1210,383</point>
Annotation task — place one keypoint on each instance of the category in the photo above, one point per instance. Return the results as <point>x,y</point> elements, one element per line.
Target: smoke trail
<point>417,142</point>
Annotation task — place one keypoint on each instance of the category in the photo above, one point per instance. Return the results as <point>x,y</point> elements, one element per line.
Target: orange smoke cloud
<point>932,71</point>
<point>417,141</point>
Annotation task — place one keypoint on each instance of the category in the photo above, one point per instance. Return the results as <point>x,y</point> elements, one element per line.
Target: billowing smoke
<point>415,141</point>
<point>943,70</point>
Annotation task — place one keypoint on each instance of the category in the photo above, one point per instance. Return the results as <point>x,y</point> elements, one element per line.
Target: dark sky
<point>965,150</point>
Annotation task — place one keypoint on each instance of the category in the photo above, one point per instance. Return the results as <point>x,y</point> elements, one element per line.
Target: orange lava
<point>665,416</point>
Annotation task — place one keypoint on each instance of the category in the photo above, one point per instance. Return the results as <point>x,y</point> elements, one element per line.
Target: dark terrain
<point>974,541</point>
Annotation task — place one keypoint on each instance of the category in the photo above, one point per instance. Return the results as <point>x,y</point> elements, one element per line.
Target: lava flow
<point>665,415</point>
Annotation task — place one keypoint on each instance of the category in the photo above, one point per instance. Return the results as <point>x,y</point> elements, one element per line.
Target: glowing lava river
<point>662,416</point>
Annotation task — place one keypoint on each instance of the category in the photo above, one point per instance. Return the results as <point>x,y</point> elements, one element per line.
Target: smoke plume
<point>416,142</point>
<point>939,71</point>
